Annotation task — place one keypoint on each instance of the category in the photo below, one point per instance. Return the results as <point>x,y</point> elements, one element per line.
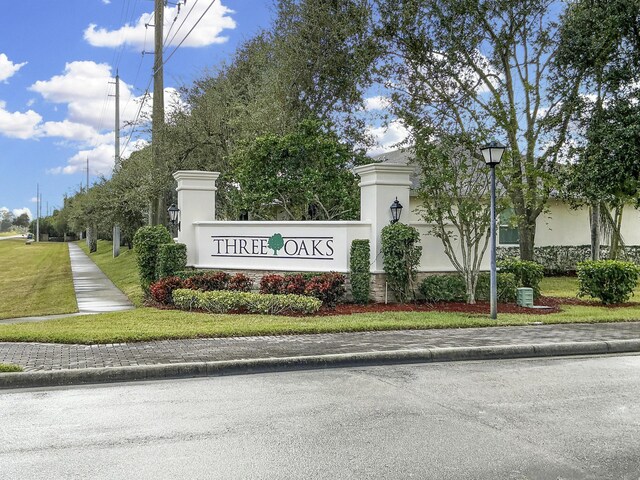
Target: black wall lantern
<point>174,215</point>
<point>396,211</point>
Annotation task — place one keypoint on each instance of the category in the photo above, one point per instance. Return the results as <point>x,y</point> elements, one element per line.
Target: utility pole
<point>117,130</point>
<point>115,246</point>
<point>37,212</point>
<point>157,205</point>
<point>87,174</point>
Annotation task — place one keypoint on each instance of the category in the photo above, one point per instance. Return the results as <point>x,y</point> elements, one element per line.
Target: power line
<point>182,23</point>
<point>189,32</point>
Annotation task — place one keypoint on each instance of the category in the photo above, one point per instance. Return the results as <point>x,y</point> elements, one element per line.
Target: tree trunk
<point>615,236</point>
<point>595,231</point>
<point>471,291</point>
<point>527,231</point>
<point>92,238</point>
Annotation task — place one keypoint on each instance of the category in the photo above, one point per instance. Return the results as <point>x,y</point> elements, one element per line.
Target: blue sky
<point>56,62</point>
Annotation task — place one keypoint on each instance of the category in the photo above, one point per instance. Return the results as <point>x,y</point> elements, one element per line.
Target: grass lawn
<point>36,279</point>
<point>8,234</point>
<point>151,324</point>
<point>567,287</point>
<point>9,367</point>
<point>122,270</point>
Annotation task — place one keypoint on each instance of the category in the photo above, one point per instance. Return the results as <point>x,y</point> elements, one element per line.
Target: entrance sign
<point>284,246</point>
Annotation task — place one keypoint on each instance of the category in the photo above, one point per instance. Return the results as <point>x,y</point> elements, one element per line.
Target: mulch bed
<point>480,307</point>
<point>553,303</point>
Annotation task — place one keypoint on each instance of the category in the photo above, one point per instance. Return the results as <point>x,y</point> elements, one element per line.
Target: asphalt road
<point>570,418</point>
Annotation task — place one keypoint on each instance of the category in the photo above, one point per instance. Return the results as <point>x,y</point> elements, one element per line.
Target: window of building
<point>508,231</point>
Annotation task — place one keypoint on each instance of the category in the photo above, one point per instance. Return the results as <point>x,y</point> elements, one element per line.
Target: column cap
<point>385,174</point>
<point>196,180</point>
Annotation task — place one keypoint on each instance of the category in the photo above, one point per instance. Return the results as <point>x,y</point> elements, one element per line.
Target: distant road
<point>555,418</point>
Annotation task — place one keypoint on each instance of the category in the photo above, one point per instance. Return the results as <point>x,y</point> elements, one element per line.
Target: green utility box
<point>524,297</point>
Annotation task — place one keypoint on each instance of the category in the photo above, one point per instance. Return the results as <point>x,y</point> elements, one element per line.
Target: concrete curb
<point>265,365</point>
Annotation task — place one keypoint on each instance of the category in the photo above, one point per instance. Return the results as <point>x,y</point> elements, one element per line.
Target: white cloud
<point>8,68</point>
<point>207,32</point>
<point>18,124</point>
<point>387,137</point>
<point>77,132</point>
<point>19,211</point>
<point>83,87</point>
<point>34,199</point>
<point>106,2</point>
<point>376,103</point>
<point>101,160</point>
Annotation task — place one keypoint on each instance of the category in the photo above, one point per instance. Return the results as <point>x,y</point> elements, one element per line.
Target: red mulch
<point>480,307</point>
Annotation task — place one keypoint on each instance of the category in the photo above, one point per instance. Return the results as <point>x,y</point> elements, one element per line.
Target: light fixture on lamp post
<point>174,215</point>
<point>396,211</point>
<point>492,153</point>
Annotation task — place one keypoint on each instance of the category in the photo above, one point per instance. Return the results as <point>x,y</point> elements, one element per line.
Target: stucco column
<point>380,184</point>
<point>197,202</point>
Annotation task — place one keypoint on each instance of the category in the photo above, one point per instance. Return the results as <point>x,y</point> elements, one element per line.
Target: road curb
<point>265,365</point>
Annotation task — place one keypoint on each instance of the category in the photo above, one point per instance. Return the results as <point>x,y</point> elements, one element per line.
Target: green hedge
<point>612,281</point>
<point>172,258</point>
<point>452,288</point>
<point>560,260</point>
<point>146,244</point>
<point>527,274</point>
<point>360,271</point>
<point>232,301</point>
<point>444,288</point>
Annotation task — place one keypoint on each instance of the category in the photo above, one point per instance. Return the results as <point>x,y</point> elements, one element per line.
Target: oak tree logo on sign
<point>275,243</point>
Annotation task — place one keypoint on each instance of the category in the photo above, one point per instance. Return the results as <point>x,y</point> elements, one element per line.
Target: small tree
<point>454,195</point>
<point>305,175</point>
<point>401,257</point>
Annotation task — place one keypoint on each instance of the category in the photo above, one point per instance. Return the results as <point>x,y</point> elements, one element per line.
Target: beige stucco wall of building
<point>562,225</point>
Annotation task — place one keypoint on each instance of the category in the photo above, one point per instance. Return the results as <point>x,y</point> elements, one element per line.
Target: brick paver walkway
<point>40,356</point>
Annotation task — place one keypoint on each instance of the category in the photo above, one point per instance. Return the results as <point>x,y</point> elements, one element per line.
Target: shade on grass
<point>36,279</point>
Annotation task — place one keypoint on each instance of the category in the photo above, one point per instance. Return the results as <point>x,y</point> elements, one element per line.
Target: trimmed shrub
<point>612,281</point>
<point>360,271</point>
<point>506,287</point>
<point>327,287</point>
<point>444,288</point>
<point>161,290</point>
<point>172,258</point>
<point>527,274</point>
<point>294,284</point>
<point>208,281</point>
<point>272,284</point>
<point>401,257</point>
<point>146,244</point>
<point>230,301</point>
<point>240,283</point>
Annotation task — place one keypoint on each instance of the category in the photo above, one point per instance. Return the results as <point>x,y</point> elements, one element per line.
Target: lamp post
<point>396,211</point>
<point>492,153</point>
<point>174,215</point>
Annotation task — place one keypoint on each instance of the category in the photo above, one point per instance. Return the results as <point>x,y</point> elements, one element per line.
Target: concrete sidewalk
<point>56,364</point>
<point>95,293</point>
